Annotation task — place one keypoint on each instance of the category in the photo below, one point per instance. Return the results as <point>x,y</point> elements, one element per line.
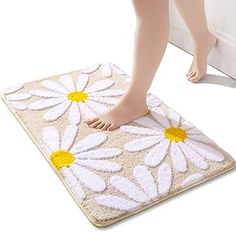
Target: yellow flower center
<point>77,96</point>
<point>62,158</point>
<point>175,134</point>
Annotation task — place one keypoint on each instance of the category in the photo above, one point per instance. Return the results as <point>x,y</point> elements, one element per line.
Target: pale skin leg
<point>193,13</point>
<point>150,43</point>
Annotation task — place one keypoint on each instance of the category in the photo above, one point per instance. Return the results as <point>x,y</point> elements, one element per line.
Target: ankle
<point>134,101</point>
<point>134,97</point>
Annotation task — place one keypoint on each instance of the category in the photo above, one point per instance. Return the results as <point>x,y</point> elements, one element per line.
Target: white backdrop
<point>43,38</point>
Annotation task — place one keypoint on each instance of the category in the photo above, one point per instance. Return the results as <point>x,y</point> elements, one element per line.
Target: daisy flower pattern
<point>76,162</point>
<point>146,190</point>
<point>112,175</point>
<point>192,179</point>
<point>168,135</point>
<point>152,101</point>
<point>76,97</point>
<point>16,98</point>
<point>107,69</point>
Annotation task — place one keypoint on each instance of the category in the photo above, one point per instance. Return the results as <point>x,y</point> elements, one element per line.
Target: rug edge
<point>105,223</point>
<point>110,222</point>
<point>30,135</point>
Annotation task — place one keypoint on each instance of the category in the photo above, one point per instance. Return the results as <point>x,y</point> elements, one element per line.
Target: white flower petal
<point>164,178</point>
<point>91,141</point>
<point>99,153</point>
<point>142,143</point>
<point>73,183</point>
<point>90,69</point>
<point>193,156</point>
<point>160,117</point>
<point>117,70</point>
<point>82,82</point>
<point>174,117</point>
<point>151,96</point>
<point>138,130</point>
<point>89,179</point>
<point>97,107</point>
<point>67,173</point>
<point>158,153</point>
<point>108,93</point>
<point>19,105</point>
<point>106,70</point>
<point>18,97</point>
<point>52,85</point>
<point>67,81</point>
<point>100,165</point>
<point>145,180</point>
<point>200,138</point>
<point>86,111</point>
<point>147,122</point>
<point>43,104</point>
<point>74,113</point>
<point>46,94</point>
<point>117,203</point>
<point>99,85</point>
<point>194,130</point>
<point>12,89</point>
<point>192,179</point>
<point>153,101</point>
<point>69,137</point>
<point>206,151</point>
<point>178,158</point>
<point>107,100</point>
<point>78,190</point>
<point>186,125</point>
<point>128,188</point>
<point>57,111</point>
<point>51,138</point>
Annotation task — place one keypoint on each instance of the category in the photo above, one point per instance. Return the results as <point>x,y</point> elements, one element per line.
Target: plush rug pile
<point>113,174</point>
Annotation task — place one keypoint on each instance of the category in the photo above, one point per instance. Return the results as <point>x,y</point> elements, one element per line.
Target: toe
<point>99,126</point>
<point>95,124</point>
<point>191,75</point>
<point>189,72</point>
<point>90,121</point>
<point>190,69</point>
<point>111,127</point>
<point>196,78</point>
<point>106,125</point>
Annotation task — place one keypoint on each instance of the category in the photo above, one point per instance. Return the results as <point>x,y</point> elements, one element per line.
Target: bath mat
<point>113,174</point>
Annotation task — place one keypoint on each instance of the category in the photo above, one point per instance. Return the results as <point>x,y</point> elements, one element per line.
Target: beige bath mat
<point>113,174</point>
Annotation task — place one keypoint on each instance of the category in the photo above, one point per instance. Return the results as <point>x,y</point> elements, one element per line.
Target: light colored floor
<point>32,196</point>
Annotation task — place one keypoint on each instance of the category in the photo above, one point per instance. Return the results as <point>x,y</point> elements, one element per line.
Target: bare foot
<point>198,68</point>
<point>122,113</point>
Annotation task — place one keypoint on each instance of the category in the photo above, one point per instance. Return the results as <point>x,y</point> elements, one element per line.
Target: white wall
<point>221,19</point>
